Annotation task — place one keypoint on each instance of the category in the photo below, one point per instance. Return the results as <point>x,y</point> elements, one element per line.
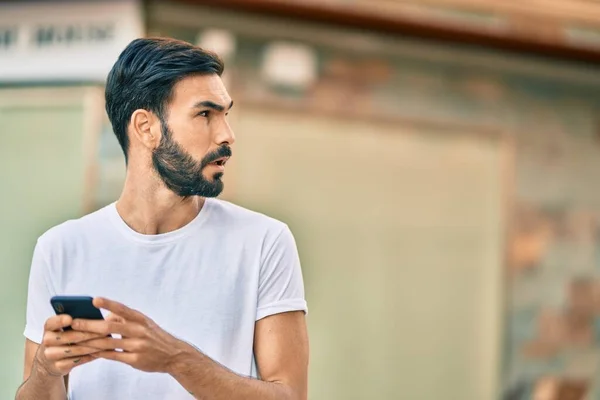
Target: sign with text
<point>65,41</point>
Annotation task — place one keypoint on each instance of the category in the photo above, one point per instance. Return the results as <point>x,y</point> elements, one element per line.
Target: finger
<point>67,364</point>
<point>63,338</point>
<point>115,318</point>
<point>103,327</point>
<point>119,309</point>
<point>127,358</point>
<point>56,353</point>
<point>57,322</point>
<point>112,344</point>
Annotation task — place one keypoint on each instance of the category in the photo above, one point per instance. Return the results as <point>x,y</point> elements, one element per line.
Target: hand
<point>61,351</point>
<point>145,346</point>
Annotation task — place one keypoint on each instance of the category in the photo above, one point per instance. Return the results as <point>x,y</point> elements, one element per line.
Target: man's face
<point>196,137</point>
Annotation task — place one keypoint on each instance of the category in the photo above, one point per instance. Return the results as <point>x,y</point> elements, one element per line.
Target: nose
<point>225,134</point>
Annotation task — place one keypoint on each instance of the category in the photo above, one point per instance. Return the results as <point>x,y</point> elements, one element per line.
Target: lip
<point>219,163</point>
<point>224,159</point>
<point>218,167</point>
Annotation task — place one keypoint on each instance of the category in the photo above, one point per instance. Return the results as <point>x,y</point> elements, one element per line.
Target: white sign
<point>65,41</point>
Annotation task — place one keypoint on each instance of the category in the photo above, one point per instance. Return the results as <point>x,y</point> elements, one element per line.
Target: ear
<point>145,128</point>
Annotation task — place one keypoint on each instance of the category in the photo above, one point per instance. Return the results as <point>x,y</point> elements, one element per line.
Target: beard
<point>181,173</point>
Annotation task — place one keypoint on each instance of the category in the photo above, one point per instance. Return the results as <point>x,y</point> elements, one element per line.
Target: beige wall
<point>401,235</point>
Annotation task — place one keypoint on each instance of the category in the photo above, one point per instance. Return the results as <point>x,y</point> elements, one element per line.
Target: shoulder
<point>244,225</point>
<point>272,234</point>
<point>233,216</point>
<point>74,231</point>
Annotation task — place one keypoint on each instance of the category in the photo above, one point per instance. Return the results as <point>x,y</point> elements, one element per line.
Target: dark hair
<point>144,75</point>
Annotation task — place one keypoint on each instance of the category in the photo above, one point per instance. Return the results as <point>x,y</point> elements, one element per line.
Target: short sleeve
<point>38,297</point>
<point>281,288</point>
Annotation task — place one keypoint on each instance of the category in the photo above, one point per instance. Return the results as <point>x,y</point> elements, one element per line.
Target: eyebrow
<point>213,105</point>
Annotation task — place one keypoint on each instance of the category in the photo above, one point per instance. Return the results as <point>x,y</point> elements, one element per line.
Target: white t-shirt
<point>206,283</point>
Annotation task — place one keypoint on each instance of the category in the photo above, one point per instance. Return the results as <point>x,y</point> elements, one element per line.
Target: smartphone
<point>76,307</point>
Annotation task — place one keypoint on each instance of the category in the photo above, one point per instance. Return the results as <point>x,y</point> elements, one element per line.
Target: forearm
<point>208,380</point>
<point>41,386</point>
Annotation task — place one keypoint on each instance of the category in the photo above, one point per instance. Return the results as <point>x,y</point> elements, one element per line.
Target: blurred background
<point>437,160</point>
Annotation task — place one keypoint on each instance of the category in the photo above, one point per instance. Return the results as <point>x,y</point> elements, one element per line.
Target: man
<point>202,296</point>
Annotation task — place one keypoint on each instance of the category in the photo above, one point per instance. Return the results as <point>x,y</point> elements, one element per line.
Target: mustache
<point>223,151</point>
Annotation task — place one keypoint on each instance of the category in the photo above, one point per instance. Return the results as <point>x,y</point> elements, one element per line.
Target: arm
<point>281,351</point>
<point>280,337</point>
<point>47,365</point>
<point>38,382</point>
<point>48,356</point>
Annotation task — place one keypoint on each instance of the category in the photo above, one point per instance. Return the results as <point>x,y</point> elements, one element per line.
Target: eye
<point>204,113</point>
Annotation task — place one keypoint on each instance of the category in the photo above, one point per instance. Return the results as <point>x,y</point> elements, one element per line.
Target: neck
<point>150,208</point>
